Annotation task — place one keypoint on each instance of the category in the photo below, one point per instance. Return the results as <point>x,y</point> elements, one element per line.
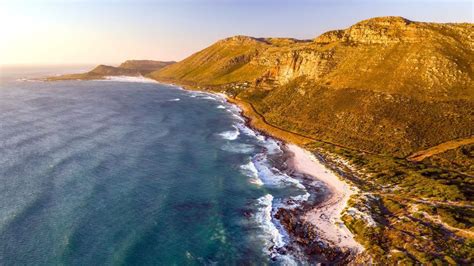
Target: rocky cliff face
<point>285,66</point>
<point>384,54</point>
<point>388,54</point>
<point>385,84</point>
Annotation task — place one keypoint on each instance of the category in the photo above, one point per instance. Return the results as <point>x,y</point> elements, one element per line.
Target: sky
<point>71,32</point>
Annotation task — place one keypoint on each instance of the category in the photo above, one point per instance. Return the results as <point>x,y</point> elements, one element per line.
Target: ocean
<point>132,172</point>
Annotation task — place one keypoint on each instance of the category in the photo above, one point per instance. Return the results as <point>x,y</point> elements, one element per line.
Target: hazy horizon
<point>109,32</point>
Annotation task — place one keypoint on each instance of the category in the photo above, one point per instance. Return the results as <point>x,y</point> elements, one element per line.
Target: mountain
<point>393,98</point>
<point>387,103</point>
<point>127,68</point>
<point>385,85</point>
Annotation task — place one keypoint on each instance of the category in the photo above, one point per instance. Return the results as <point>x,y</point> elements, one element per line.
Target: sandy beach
<point>326,216</point>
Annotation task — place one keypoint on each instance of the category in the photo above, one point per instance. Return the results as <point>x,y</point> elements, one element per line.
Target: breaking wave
<point>230,135</point>
<point>238,148</point>
<point>140,79</point>
<point>252,172</point>
<point>273,238</point>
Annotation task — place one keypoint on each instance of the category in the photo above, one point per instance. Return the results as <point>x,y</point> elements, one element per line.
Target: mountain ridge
<point>387,103</point>
<point>386,84</point>
<point>389,63</point>
<point>127,68</point>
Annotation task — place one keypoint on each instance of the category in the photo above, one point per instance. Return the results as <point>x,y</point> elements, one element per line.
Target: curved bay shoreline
<point>315,226</point>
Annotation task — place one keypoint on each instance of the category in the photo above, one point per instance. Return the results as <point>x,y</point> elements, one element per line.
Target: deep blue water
<point>111,172</point>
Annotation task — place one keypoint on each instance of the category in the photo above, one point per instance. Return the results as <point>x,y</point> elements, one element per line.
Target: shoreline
<point>326,216</point>
<point>323,218</point>
<point>339,244</point>
<point>314,226</point>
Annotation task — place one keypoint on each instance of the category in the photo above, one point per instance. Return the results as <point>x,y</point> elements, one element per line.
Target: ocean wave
<point>28,80</point>
<point>301,198</point>
<point>140,79</point>
<point>239,117</point>
<point>271,145</point>
<point>252,172</point>
<point>206,96</point>
<point>230,135</point>
<point>273,177</point>
<point>238,148</point>
<point>272,237</point>
<point>220,106</point>
<point>174,100</point>
<point>264,219</point>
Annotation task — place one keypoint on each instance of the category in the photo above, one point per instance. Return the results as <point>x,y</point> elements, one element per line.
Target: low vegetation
<point>372,94</point>
<point>421,213</point>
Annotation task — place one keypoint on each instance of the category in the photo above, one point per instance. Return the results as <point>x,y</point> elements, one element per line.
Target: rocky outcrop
<point>286,66</point>
<point>383,30</point>
<point>384,85</point>
<point>331,36</point>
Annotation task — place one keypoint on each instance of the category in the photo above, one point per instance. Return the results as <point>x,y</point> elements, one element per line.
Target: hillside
<point>127,68</point>
<point>368,100</point>
<point>388,103</point>
<point>385,85</point>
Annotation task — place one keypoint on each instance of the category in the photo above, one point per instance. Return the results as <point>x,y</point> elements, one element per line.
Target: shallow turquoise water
<point>109,172</point>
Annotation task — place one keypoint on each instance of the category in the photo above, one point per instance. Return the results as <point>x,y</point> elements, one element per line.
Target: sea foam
<point>230,135</point>
<point>272,237</point>
<point>252,172</point>
<point>238,148</point>
<point>264,219</point>
<point>273,177</point>
<point>140,79</point>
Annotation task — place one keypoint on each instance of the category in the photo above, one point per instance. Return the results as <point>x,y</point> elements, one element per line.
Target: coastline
<point>326,216</point>
<point>316,227</point>
<point>321,220</point>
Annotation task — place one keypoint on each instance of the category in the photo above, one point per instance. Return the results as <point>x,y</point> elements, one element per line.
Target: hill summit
<point>385,85</point>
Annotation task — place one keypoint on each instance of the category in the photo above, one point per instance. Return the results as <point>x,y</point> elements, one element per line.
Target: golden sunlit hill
<point>127,68</point>
<point>387,103</point>
<point>384,85</point>
<point>393,97</point>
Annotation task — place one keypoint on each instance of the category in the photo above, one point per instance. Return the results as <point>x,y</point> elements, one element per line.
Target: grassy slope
<point>384,97</point>
<point>222,63</point>
<point>128,68</point>
<point>372,94</point>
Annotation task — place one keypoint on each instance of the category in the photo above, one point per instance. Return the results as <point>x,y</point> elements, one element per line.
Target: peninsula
<point>127,68</point>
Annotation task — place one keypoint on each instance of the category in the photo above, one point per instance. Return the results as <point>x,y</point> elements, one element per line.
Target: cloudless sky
<point>90,32</point>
